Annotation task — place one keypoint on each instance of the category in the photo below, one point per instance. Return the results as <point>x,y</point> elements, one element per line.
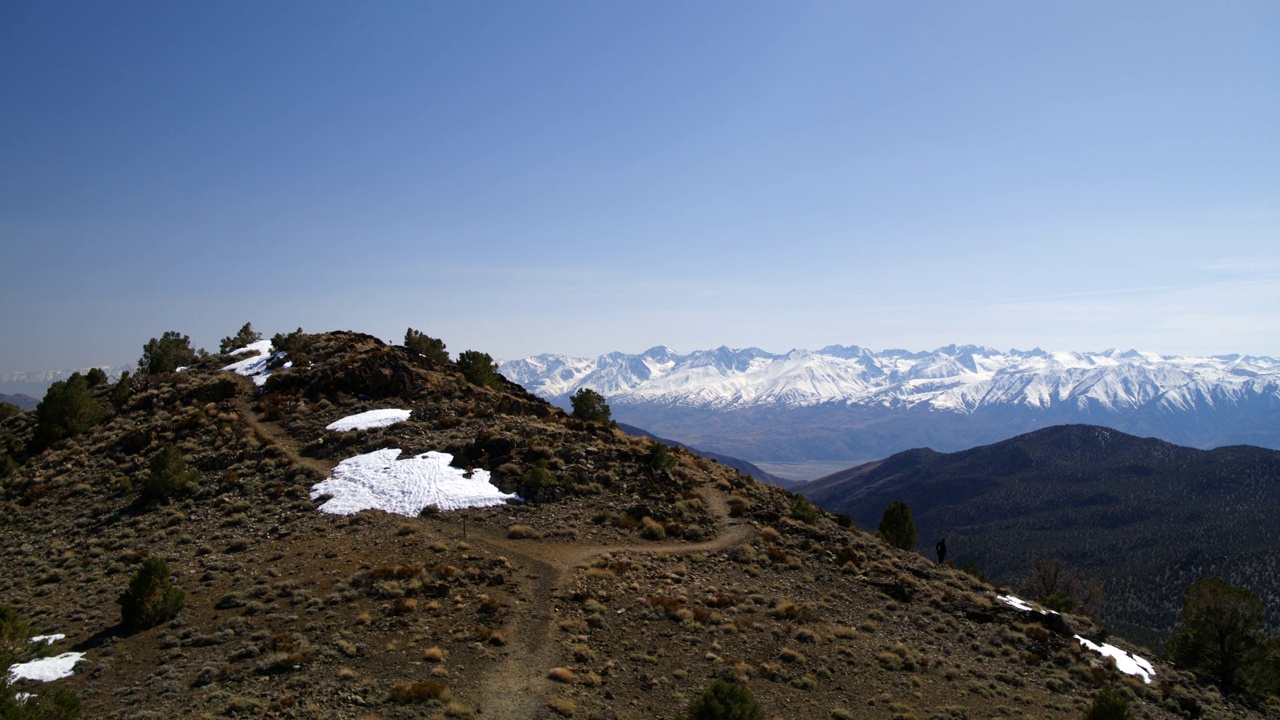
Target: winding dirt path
<point>517,687</point>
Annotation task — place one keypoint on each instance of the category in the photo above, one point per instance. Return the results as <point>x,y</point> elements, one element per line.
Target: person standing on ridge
<point>941,547</point>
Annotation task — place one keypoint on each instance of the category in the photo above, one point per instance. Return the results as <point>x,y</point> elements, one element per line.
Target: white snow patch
<point>378,481</point>
<point>255,367</point>
<point>368,420</point>
<point>48,639</point>
<point>1023,605</point>
<point>1127,663</point>
<point>46,669</point>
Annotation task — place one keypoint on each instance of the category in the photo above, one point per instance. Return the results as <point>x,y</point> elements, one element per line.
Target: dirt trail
<point>270,432</point>
<point>518,686</point>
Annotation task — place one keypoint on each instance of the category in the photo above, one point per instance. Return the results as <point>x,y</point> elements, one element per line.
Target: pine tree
<point>244,338</point>
<point>1219,632</point>
<point>151,599</point>
<point>590,406</point>
<point>479,368</point>
<point>896,527</point>
<point>425,345</point>
<point>67,409</point>
<point>166,354</point>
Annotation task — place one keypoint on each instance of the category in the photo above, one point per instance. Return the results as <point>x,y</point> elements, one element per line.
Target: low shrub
<point>169,476</point>
<point>725,700</point>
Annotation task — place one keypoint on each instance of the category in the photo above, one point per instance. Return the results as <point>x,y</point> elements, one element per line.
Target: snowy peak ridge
<point>959,378</point>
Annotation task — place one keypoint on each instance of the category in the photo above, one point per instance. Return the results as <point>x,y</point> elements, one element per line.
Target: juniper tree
<point>169,475</point>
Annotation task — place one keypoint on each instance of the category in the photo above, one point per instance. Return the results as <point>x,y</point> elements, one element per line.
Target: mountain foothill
<point>171,550</point>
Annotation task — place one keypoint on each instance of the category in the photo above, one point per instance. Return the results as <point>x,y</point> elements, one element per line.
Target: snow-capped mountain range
<point>1200,401</point>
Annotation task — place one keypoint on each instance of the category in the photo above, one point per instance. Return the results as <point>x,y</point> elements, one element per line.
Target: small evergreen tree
<point>479,368</point>
<point>166,354</point>
<point>1219,632</point>
<point>67,409</point>
<point>590,406</point>
<point>95,377</point>
<point>169,476</point>
<point>1109,705</point>
<point>803,510</point>
<point>725,700</point>
<point>151,599</point>
<point>896,527</point>
<point>121,391</point>
<point>8,410</point>
<point>244,338</point>
<point>659,457</point>
<point>425,345</point>
<point>294,345</point>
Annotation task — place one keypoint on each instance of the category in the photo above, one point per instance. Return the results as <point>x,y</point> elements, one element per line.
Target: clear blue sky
<point>581,177</point>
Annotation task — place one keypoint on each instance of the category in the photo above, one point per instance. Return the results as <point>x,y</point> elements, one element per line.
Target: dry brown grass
<point>404,693</point>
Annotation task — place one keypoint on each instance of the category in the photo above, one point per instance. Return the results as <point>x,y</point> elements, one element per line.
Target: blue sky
<point>582,177</point>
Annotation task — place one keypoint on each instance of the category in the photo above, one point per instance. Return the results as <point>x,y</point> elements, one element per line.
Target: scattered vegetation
<point>151,598</point>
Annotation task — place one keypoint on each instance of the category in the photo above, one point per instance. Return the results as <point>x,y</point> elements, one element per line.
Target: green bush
<point>166,354</point>
<point>725,700</point>
<point>67,409</point>
<point>8,410</point>
<point>896,527</point>
<point>590,406</point>
<point>538,484</point>
<point>803,510</point>
<point>425,345</point>
<point>1219,632</point>
<point>151,599</point>
<point>479,368</point>
<point>7,465</point>
<point>169,476</point>
<point>1109,705</point>
<point>245,337</point>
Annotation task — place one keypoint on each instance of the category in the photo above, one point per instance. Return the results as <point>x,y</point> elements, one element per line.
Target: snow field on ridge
<point>368,420</point>
<point>379,481</point>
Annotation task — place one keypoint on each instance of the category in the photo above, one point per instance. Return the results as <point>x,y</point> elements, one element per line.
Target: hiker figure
<point>941,547</point>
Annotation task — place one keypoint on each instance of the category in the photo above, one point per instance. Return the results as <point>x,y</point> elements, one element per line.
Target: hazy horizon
<point>581,178</point>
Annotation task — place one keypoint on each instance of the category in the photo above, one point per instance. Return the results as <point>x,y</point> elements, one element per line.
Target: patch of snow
<point>368,420</point>
<point>1127,663</point>
<point>48,639</point>
<point>46,669</point>
<point>378,481</point>
<point>1023,605</point>
<point>256,367</point>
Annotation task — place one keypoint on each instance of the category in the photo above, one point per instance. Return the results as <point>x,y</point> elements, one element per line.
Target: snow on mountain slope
<point>958,379</point>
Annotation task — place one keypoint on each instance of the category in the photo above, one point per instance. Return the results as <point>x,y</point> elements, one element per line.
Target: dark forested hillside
<point>1146,517</point>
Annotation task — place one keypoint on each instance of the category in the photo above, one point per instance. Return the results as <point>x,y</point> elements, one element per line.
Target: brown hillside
<point>621,594</point>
